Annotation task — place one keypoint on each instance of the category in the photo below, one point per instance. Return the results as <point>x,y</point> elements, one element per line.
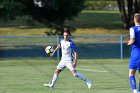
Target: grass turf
<point>28,76</point>
<point>86,23</point>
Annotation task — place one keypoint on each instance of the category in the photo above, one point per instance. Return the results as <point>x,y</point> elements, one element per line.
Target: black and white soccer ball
<point>49,49</point>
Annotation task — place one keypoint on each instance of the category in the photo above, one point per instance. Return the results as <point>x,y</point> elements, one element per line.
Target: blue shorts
<point>135,59</point>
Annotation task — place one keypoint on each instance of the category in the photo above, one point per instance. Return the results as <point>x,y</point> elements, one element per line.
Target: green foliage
<point>127,10</point>
<point>10,9</point>
<point>53,13</point>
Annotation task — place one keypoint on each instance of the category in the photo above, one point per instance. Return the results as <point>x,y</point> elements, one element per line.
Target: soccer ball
<point>49,49</point>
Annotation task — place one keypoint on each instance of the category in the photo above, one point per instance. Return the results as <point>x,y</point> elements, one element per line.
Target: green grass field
<point>86,23</point>
<point>28,76</point>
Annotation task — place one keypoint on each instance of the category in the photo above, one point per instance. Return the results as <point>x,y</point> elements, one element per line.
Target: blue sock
<point>81,76</point>
<point>132,82</point>
<point>139,87</point>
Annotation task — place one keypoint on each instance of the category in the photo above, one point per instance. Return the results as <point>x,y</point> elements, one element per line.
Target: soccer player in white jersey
<point>68,59</point>
<point>134,64</point>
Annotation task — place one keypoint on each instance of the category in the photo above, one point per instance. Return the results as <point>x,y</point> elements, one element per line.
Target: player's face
<point>66,36</point>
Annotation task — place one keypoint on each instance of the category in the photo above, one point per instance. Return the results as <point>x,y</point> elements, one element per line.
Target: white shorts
<point>64,64</point>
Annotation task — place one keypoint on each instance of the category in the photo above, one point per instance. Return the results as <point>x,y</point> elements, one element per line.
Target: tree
<point>9,9</point>
<point>127,9</point>
<point>53,13</point>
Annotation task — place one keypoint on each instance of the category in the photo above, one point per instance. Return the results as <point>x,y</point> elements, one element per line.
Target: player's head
<point>137,18</point>
<point>66,35</point>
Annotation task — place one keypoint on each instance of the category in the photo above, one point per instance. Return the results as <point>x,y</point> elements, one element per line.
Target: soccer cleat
<point>48,85</point>
<point>88,82</point>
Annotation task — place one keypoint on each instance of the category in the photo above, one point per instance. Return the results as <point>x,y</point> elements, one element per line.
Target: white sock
<point>135,91</point>
<point>54,79</point>
<point>79,75</point>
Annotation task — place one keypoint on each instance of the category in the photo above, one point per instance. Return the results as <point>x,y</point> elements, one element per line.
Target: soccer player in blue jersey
<point>134,64</point>
<point>68,59</point>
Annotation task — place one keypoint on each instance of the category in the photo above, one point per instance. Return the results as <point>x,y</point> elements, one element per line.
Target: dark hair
<point>67,31</point>
<point>137,17</point>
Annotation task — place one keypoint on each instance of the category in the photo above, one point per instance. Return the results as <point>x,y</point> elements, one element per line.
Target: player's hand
<point>51,54</point>
<point>131,41</point>
<point>128,43</point>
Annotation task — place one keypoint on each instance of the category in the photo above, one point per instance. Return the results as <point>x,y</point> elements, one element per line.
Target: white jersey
<point>67,48</point>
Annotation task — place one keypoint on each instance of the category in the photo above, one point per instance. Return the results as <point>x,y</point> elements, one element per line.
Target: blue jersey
<point>135,54</point>
<point>137,36</point>
<point>67,48</point>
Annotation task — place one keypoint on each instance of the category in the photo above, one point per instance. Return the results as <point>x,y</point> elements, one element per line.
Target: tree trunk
<point>121,5</point>
<point>136,6</point>
<point>130,12</point>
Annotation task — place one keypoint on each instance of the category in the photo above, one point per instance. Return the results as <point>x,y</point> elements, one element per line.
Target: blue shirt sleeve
<point>73,47</point>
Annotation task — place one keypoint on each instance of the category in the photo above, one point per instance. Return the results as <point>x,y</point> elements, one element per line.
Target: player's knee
<point>75,75</point>
<point>57,71</point>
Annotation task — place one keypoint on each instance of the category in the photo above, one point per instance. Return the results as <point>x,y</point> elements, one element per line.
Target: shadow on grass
<point>101,20</point>
<point>108,20</point>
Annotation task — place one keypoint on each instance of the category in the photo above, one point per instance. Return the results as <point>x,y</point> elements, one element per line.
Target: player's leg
<point>54,79</point>
<point>82,77</point>
<point>133,66</point>
<point>139,69</point>
<point>60,67</point>
<point>139,76</point>
<point>139,82</point>
<point>132,80</point>
<point>78,75</point>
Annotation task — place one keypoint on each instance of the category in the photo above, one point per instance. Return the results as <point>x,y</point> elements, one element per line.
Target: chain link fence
<point>89,47</point>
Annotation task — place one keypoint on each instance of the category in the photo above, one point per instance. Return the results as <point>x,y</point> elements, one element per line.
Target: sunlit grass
<point>16,31</point>
<point>29,75</point>
<point>86,23</point>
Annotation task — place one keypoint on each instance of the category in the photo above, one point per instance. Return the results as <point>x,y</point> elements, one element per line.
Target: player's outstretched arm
<point>75,59</point>
<point>58,47</point>
<point>131,41</point>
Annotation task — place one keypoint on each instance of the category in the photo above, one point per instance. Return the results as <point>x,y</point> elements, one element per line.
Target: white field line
<point>91,70</point>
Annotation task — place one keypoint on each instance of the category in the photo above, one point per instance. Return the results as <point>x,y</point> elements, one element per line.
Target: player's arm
<point>74,49</point>
<point>132,37</point>
<point>58,47</point>
<point>75,59</point>
<point>131,41</point>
